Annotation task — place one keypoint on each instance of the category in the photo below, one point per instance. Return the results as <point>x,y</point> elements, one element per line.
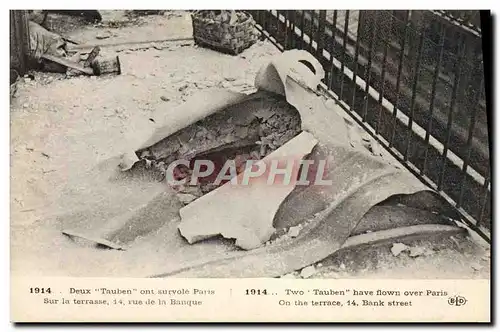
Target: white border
<point>144,4</point>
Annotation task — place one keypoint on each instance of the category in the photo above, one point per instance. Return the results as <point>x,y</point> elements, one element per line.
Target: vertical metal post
<point>484,200</point>
<point>437,69</point>
<point>311,34</point>
<point>369,66</point>
<point>470,135</point>
<point>414,93</point>
<point>356,58</point>
<point>398,81</point>
<point>344,47</point>
<point>332,49</point>
<point>302,27</point>
<point>382,79</point>
<point>320,34</point>
<point>291,34</point>
<point>451,110</point>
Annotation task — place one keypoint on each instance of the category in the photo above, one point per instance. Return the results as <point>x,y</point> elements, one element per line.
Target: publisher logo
<point>457,300</point>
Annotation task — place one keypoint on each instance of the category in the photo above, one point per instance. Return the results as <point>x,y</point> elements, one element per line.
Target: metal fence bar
<point>291,17</point>
<point>332,50</point>
<point>382,88</point>
<point>311,34</point>
<point>344,47</point>
<point>302,25</point>
<point>285,32</point>
<point>450,114</point>
<point>484,201</point>
<point>433,96</point>
<point>280,32</point>
<point>320,34</point>
<point>469,143</point>
<point>398,82</point>
<point>265,24</point>
<point>356,58</point>
<point>369,66</point>
<point>414,94</point>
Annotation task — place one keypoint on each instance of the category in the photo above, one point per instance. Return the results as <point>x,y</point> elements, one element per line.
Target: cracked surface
<point>249,130</point>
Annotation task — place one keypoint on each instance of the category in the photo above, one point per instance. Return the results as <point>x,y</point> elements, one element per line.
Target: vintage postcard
<point>250,165</point>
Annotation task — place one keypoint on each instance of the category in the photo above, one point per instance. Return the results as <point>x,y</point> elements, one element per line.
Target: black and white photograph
<point>284,144</point>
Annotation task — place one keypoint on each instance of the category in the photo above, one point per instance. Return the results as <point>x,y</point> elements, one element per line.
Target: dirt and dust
<point>62,126</point>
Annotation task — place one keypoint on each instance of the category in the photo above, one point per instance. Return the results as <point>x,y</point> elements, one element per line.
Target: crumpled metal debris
<point>44,42</point>
<point>242,213</point>
<point>328,214</point>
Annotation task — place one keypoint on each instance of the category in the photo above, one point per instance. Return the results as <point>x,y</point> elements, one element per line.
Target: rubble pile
<point>224,16</point>
<point>251,132</point>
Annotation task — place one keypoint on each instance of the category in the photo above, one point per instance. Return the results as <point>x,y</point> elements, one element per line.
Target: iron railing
<point>414,80</point>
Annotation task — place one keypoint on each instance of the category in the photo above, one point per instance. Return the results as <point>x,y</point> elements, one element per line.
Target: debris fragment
<point>103,35</point>
<point>239,82</point>
<point>429,252</point>
<point>109,65</point>
<point>294,231</point>
<point>45,155</point>
<point>91,57</point>
<point>230,78</point>
<point>398,248</point>
<point>231,213</point>
<point>166,99</point>
<point>186,198</point>
<point>226,85</point>
<point>127,160</point>
<point>455,241</point>
<point>476,266</point>
<point>375,149</point>
<point>234,18</point>
<point>332,275</point>
<point>67,63</point>
<point>416,251</point>
<point>330,104</point>
<point>14,78</point>
<point>308,271</point>
<point>156,46</point>
<point>366,137</point>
